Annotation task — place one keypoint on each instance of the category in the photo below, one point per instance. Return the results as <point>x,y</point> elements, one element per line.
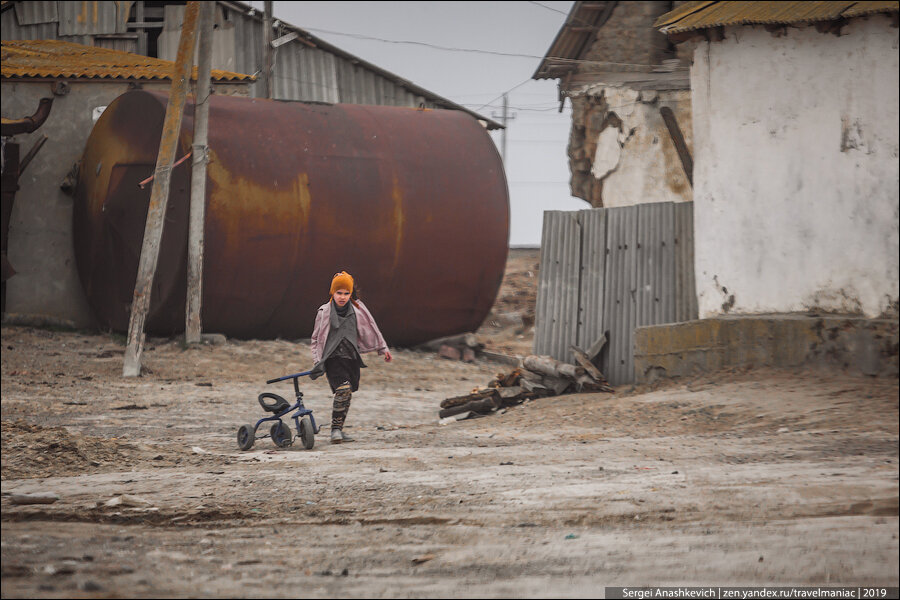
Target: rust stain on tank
<point>398,220</point>
<point>413,203</point>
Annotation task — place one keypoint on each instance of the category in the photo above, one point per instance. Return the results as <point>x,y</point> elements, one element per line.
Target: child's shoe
<point>346,437</point>
<point>336,436</point>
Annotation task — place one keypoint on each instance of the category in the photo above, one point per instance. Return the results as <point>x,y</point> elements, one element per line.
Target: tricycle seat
<point>273,403</point>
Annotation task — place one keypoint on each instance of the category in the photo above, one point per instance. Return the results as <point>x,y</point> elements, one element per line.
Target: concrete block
<point>867,346</point>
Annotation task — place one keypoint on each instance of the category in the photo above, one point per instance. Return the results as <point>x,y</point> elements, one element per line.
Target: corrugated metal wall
<point>685,288</point>
<point>31,13</point>
<point>611,270</point>
<point>75,22</point>
<point>558,287</point>
<point>10,29</point>
<point>304,73</point>
<point>301,72</point>
<point>90,17</point>
<point>593,273</point>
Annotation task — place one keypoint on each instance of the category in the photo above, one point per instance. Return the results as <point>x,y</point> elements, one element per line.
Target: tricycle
<point>280,433</point>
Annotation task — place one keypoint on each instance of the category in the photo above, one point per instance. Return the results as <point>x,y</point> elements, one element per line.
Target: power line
<point>573,17</point>
<point>502,94</point>
<point>426,44</point>
<point>560,59</point>
<point>548,7</point>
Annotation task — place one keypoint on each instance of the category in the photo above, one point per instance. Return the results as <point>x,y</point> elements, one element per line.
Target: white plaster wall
<point>638,162</point>
<point>796,170</point>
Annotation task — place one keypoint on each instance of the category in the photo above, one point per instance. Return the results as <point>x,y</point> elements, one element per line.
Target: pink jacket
<point>369,336</point>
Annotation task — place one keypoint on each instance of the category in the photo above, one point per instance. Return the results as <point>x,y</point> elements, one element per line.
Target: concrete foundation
<point>850,343</point>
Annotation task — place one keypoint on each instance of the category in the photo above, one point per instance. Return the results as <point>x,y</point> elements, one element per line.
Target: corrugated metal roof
<point>56,59</point>
<point>702,15</point>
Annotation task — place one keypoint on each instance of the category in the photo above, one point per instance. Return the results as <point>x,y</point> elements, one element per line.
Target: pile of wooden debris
<point>535,377</point>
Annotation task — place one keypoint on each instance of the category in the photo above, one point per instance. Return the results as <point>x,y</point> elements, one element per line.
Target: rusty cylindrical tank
<point>412,202</point>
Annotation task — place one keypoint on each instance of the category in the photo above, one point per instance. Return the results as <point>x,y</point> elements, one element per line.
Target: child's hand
<point>387,356</point>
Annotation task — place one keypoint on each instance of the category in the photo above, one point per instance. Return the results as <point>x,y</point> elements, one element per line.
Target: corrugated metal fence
<point>609,270</point>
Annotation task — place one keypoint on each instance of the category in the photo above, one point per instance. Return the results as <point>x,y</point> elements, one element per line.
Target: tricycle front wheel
<point>307,434</point>
<point>246,435</point>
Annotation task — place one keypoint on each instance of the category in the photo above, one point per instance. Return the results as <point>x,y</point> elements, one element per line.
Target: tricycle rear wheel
<point>281,434</point>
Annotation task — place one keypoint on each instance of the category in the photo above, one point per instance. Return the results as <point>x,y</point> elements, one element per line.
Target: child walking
<point>344,330</point>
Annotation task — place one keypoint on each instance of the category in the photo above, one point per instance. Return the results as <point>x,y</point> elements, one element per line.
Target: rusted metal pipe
<point>28,124</point>
<point>143,184</point>
<point>412,202</point>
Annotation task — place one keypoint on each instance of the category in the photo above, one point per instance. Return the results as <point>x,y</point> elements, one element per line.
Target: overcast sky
<point>537,166</point>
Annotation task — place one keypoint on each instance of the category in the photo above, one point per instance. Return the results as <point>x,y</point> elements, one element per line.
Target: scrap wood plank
<point>596,347</point>
<point>479,406</point>
<point>548,365</point>
<point>460,400</point>
<point>531,386</point>
<point>586,383</point>
<point>557,384</point>
<point>582,358</point>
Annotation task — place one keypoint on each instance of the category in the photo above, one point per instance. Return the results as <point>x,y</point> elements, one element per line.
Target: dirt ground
<point>762,477</point>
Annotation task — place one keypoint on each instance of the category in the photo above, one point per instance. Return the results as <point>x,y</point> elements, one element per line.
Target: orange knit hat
<point>341,281</point>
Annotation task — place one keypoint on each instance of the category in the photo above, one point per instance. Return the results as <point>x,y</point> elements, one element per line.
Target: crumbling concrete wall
<point>855,344</point>
<point>797,182</point>
<point>620,150</point>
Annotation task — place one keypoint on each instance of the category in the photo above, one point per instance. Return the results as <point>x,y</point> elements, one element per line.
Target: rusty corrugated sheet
<point>701,15</point>
<point>413,203</point>
<point>57,59</point>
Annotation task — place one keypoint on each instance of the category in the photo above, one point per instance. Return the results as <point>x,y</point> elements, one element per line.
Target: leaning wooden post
<point>159,196</point>
<point>192,322</point>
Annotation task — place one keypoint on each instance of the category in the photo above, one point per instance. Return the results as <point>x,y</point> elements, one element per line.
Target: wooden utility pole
<point>200,152</point>
<point>505,118</point>
<point>159,196</point>
<point>267,36</point>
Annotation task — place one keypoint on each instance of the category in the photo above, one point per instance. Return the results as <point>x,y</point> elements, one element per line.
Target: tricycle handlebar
<point>294,376</point>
